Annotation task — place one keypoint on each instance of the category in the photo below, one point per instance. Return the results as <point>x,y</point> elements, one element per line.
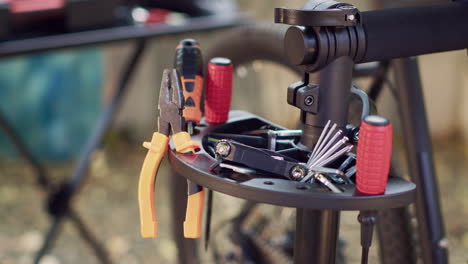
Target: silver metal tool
<point>330,146</point>
<point>325,140</point>
<point>313,170</point>
<point>320,138</point>
<point>274,135</point>
<point>237,169</point>
<point>335,156</point>
<point>324,180</point>
<point>326,147</point>
<point>351,171</point>
<point>330,152</point>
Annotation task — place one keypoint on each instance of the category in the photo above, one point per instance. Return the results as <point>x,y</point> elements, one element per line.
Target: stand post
<point>317,231</point>
<point>316,236</point>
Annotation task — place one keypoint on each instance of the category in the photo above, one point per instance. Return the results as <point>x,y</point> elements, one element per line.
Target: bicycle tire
<point>265,42</point>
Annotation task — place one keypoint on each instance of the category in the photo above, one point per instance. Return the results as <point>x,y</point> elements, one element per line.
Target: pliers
<point>170,122</point>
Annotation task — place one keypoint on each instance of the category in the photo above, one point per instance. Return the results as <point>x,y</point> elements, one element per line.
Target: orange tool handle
<point>196,195</point>
<point>156,150</point>
<point>189,63</point>
<point>194,213</point>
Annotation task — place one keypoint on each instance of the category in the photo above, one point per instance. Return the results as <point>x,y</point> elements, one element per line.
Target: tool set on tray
<point>243,155</point>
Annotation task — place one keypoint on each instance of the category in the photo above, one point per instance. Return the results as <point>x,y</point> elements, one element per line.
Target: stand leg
<point>317,231</point>
<point>44,183</point>
<point>59,203</point>
<point>24,152</point>
<point>420,162</point>
<point>316,236</point>
<point>187,248</point>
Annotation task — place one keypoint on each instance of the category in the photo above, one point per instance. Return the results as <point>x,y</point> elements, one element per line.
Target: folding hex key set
<point>312,169</point>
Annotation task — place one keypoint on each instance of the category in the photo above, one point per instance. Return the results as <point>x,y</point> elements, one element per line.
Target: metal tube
<point>334,93</point>
<point>186,248</point>
<point>325,149</point>
<point>316,236</point>
<point>319,142</point>
<point>324,141</point>
<point>317,231</point>
<point>329,152</point>
<point>420,162</point>
<point>26,154</point>
<point>338,154</point>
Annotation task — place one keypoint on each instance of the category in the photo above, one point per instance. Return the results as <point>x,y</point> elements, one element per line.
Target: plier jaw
<point>171,104</point>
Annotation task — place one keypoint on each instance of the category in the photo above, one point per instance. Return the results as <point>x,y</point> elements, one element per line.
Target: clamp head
<point>171,103</point>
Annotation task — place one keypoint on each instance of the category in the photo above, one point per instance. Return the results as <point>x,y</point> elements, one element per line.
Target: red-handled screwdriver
<point>218,90</point>
<point>374,153</point>
<point>217,104</point>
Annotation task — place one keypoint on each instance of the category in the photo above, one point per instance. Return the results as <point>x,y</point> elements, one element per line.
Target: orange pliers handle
<point>156,150</point>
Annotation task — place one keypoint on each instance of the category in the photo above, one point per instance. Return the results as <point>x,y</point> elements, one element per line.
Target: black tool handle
<point>411,31</point>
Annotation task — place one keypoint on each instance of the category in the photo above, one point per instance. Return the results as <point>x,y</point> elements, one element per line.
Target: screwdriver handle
<point>374,153</point>
<point>218,90</point>
<point>189,63</point>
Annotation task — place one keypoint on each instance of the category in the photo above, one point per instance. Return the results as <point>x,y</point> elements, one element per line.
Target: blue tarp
<point>52,99</point>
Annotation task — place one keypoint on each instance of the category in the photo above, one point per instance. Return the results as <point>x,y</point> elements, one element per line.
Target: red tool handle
<point>218,90</point>
<point>25,6</point>
<point>374,153</point>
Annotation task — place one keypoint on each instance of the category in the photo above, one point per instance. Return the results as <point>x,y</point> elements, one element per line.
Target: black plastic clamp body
<point>322,32</point>
<point>375,35</point>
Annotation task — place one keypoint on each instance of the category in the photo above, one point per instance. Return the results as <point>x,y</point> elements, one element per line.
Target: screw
<point>443,243</point>
<point>350,17</point>
<point>356,136</point>
<point>223,148</point>
<point>297,172</point>
<point>309,100</point>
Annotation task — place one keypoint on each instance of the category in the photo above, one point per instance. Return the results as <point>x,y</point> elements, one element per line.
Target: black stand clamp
<point>318,28</point>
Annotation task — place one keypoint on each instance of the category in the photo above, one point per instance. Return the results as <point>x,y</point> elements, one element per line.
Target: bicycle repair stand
<point>318,210</point>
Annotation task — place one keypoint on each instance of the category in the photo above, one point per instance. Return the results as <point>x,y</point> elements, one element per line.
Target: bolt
<point>223,148</point>
<point>297,172</point>
<point>356,136</point>
<point>443,243</point>
<point>350,17</point>
<point>309,100</point>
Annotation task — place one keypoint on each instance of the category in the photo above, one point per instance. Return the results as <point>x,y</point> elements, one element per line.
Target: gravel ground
<point>109,206</point>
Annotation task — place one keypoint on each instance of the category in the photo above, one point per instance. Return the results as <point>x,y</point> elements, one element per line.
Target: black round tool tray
<point>272,190</point>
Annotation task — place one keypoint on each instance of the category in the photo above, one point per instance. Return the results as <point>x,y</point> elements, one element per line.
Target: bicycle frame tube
<point>420,161</point>
<point>317,231</point>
